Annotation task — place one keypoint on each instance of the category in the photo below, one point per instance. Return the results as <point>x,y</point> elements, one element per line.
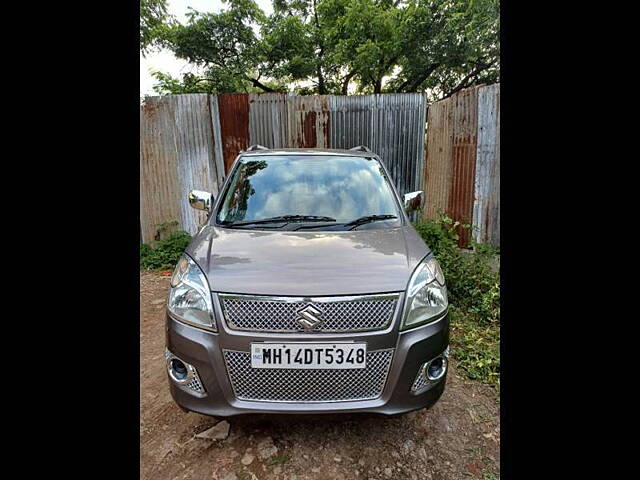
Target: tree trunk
<point>377,85</point>
<point>345,83</point>
<point>321,87</point>
<point>256,83</point>
<point>469,79</point>
<point>416,82</point>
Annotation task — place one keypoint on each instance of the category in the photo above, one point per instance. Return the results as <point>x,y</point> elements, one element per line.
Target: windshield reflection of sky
<point>343,188</point>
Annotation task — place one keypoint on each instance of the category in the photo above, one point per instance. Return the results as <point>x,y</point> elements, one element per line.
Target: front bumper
<point>203,350</point>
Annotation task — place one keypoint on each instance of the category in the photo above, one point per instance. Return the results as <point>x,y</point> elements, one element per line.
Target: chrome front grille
<point>280,314</point>
<point>291,385</point>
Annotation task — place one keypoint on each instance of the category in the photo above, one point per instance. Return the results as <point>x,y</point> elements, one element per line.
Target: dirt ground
<point>458,438</point>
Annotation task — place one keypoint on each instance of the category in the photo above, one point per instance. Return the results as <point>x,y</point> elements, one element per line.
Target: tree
<point>153,15</point>
<point>296,45</point>
<point>365,40</point>
<point>224,44</point>
<point>327,46</point>
<point>448,45</point>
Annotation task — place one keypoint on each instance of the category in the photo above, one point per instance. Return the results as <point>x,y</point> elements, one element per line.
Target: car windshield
<point>342,188</point>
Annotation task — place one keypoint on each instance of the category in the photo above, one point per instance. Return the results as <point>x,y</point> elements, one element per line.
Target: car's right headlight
<point>189,296</point>
<point>426,295</point>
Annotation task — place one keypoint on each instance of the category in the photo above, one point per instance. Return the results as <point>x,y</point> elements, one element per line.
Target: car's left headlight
<point>426,295</point>
<point>189,296</point>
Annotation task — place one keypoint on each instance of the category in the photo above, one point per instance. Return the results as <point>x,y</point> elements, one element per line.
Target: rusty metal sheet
<point>463,150</point>
<point>234,125</point>
<point>308,121</point>
<point>268,125</point>
<point>176,156</point>
<point>486,207</point>
<point>159,187</point>
<point>437,172</point>
<point>196,155</point>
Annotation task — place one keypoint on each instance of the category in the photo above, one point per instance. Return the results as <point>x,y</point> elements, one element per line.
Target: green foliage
<point>153,18</point>
<point>475,346</point>
<point>451,45</point>
<point>440,235</point>
<point>324,46</point>
<point>168,249</point>
<point>484,248</point>
<point>474,296</point>
<point>223,44</point>
<point>278,459</point>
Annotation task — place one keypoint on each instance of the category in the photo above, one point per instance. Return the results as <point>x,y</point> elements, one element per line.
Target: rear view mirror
<point>201,200</point>
<point>413,201</point>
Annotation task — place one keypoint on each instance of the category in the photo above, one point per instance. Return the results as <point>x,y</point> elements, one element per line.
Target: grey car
<point>307,290</point>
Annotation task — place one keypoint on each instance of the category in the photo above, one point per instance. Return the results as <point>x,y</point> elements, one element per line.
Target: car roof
<point>308,151</point>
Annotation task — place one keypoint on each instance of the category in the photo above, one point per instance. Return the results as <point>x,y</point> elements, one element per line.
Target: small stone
<point>361,462</point>
<point>266,448</point>
<point>247,459</point>
<point>315,470</point>
<point>219,431</point>
<point>305,456</point>
<point>277,470</point>
<point>409,445</point>
<point>388,472</point>
<point>228,476</point>
<point>337,459</point>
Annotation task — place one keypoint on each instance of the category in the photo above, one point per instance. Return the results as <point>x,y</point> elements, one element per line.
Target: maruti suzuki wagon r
<point>307,290</point>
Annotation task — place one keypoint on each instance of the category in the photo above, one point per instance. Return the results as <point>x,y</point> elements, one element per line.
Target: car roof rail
<point>253,148</point>
<point>361,148</point>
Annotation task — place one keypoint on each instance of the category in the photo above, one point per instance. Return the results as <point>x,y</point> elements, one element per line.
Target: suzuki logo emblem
<point>308,317</point>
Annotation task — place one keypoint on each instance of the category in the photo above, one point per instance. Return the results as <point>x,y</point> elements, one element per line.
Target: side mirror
<point>201,200</point>
<point>413,201</point>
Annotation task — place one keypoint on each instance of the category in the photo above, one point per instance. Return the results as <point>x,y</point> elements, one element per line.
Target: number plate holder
<point>309,356</point>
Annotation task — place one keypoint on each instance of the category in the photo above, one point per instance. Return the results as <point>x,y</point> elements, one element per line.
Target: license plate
<point>307,356</point>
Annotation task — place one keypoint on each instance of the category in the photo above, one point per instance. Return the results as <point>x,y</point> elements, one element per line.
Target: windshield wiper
<point>368,219</point>
<point>283,218</point>
<point>353,223</point>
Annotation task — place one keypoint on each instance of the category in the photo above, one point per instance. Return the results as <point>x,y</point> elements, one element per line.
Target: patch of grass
<point>168,248</point>
<point>278,459</point>
<point>476,347</point>
<point>474,299</point>
<point>490,476</point>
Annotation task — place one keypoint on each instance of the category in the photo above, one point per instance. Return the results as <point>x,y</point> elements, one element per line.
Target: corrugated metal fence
<point>176,155</point>
<point>462,166</point>
<point>190,141</point>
